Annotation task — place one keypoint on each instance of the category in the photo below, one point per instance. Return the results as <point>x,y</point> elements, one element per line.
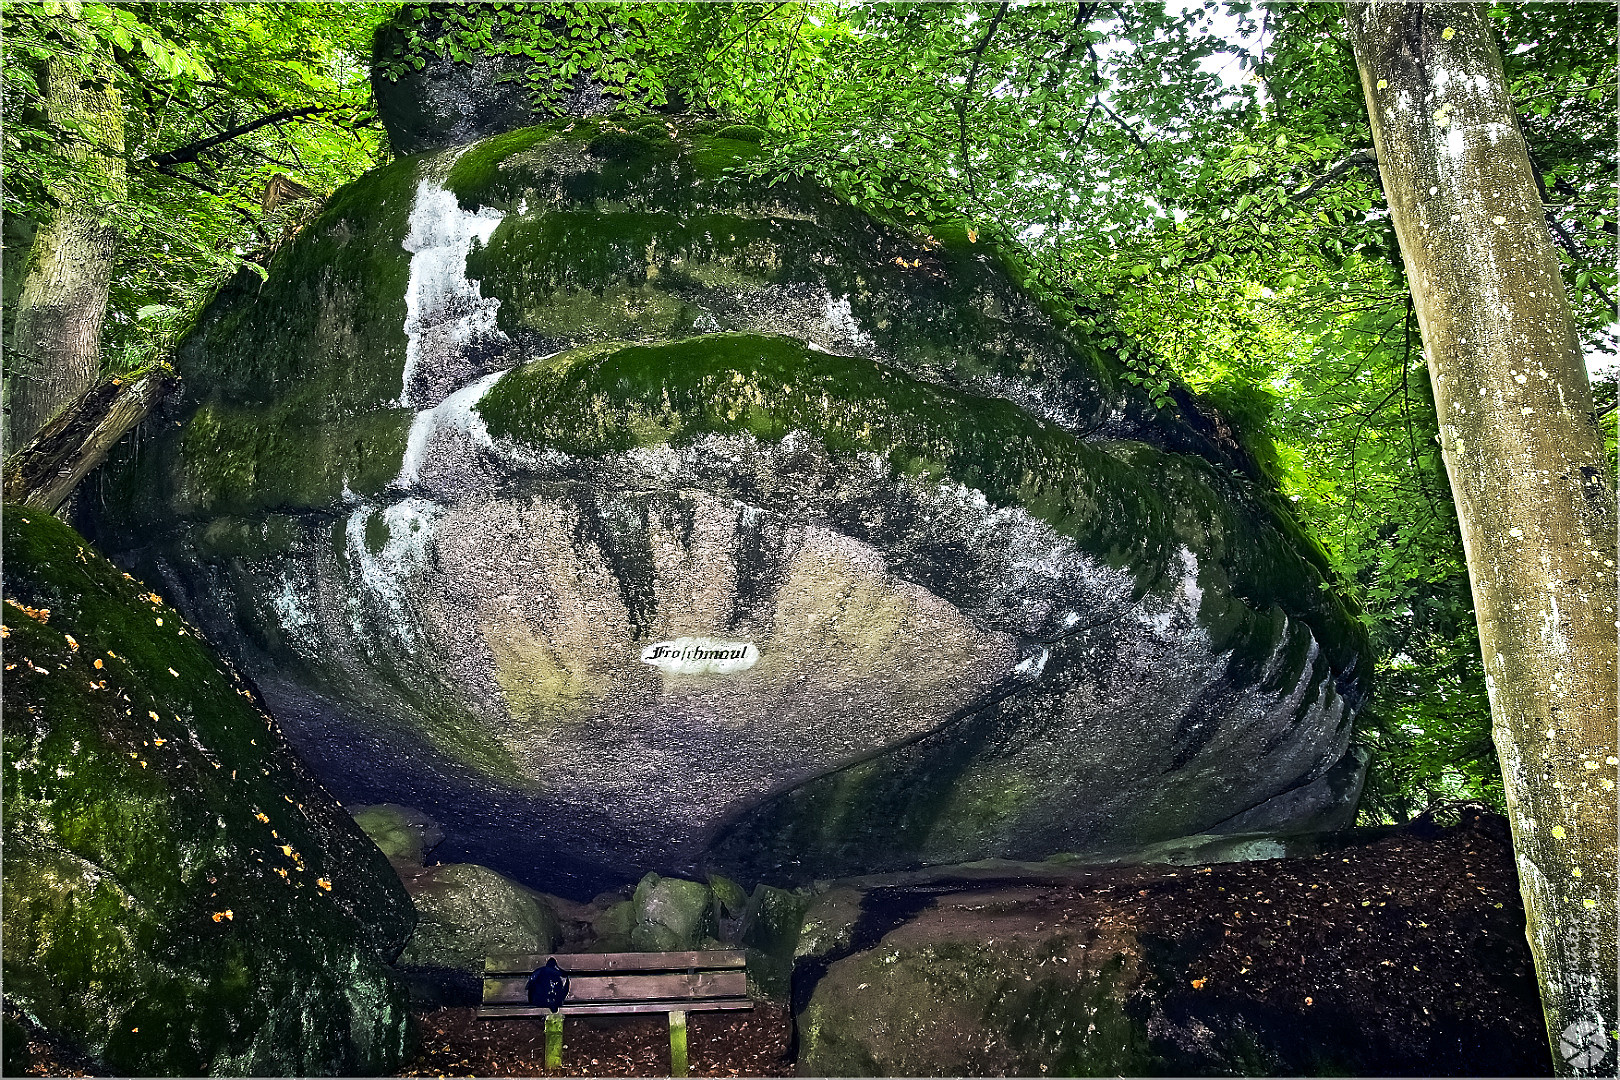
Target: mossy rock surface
<point>506,418</point>
<point>403,834</point>
<point>770,933</point>
<point>428,100</point>
<point>181,896</point>
<point>466,913</point>
<point>925,985</point>
<point>672,915</point>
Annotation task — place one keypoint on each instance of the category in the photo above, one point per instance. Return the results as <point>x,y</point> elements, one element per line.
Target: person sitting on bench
<point>548,986</point>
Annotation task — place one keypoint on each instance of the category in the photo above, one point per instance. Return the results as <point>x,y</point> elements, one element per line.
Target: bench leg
<point>677,1043</point>
<point>554,1041</point>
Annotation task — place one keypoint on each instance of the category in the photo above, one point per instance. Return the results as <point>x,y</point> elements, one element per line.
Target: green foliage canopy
<point>218,99</point>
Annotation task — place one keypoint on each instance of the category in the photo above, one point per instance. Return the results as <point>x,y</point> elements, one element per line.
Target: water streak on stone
<point>384,574</point>
<point>446,314</point>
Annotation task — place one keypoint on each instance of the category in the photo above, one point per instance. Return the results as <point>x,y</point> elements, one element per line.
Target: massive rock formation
<point>181,897</point>
<point>623,513</point>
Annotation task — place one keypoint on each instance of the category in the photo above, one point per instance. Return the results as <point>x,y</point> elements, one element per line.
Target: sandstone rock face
<point>181,897</point>
<point>672,915</point>
<point>625,514</point>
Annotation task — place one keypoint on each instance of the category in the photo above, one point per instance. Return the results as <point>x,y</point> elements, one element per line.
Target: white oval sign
<point>699,655</point>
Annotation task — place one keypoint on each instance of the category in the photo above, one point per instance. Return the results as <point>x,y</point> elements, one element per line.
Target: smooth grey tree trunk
<point>54,351</point>
<point>1534,490</point>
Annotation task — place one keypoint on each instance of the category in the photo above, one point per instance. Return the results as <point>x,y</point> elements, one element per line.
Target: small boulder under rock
<point>466,912</point>
<point>404,834</point>
<point>672,915</point>
<point>769,932</point>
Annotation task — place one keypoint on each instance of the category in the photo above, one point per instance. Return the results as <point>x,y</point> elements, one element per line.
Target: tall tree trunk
<point>1534,490</point>
<point>55,348</point>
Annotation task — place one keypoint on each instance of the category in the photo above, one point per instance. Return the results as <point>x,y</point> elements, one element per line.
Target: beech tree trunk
<point>1534,490</point>
<point>54,352</point>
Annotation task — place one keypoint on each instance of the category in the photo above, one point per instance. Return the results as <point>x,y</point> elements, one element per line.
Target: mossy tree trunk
<point>55,347</point>
<point>1534,491</point>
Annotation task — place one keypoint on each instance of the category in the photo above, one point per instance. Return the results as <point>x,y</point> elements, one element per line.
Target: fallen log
<point>43,473</point>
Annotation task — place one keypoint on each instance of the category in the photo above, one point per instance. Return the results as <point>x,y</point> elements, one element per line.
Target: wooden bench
<point>599,983</point>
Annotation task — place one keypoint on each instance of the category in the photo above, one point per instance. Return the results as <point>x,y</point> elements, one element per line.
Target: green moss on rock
<point>770,934</point>
<point>729,897</point>
<point>1129,504</point>
<point>741,133</point>
<point>180,896</point>
<point>404,835</point>
<point>467,912</point>
<point>237,460</point>
<point>671,915</point>
<point>478,167</point>
<point>612,927</point>
<point>326,330</point>
<point>968,994</point>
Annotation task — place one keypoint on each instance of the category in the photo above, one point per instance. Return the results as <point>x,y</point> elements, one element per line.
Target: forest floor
<point>1414,938</point>
<point>455,1043</point>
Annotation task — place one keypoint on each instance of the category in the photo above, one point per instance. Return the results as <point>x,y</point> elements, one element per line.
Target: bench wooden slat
<point>629,987</point>
<point>624,961</point>
<point>497,1012</point>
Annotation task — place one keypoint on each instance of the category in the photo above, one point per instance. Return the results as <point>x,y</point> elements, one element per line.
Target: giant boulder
<point>626,513</point>
<point>181,897</point>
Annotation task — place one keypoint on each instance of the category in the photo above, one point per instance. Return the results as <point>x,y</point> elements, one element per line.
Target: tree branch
<point>1125,125</point>
<point>201,185</point>
<point>1356,159</point>
<point>191,151</point>
<point>210,189</point>
<point>1082,15</point>
<point>967,92</point>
